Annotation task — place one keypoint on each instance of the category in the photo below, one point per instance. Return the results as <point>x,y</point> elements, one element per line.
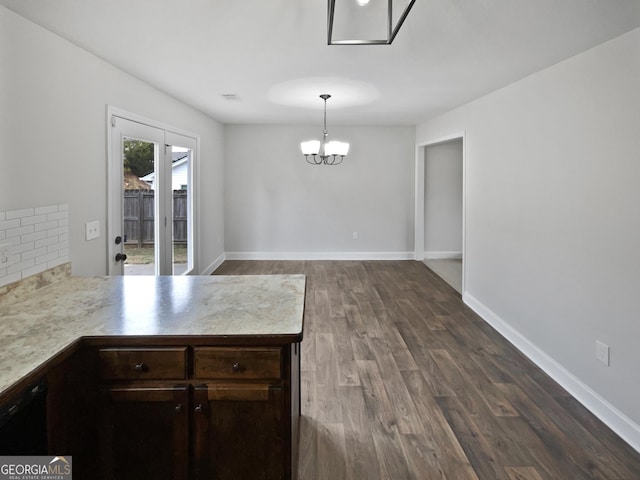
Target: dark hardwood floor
<point>400,380</point>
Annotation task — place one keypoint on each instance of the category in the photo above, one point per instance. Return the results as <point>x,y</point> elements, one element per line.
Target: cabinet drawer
<point>143,363</point>
<point>245,363</point>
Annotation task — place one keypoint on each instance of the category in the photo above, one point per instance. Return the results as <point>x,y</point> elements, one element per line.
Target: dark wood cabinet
<point>173,412</point>
<point>72,410</point>
<point>161,363</point>
<point>238,432</point>
<point>198,412</point>
<point>144,413</point>
<point>240,424</point>
<point>144,432</point>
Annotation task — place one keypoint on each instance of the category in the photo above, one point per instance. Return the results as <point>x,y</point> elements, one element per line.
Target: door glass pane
<point>180,179</point>
<point>139,187</point>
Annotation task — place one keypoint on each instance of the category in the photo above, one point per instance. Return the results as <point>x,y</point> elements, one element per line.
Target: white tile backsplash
<point>34,236</point>
<point>33,219</point>
<point>25,212</point>
<point>38,239</point>
<point>17,232</point>
<point>46,225</point>
<point>45,210</point>
<point>7,224</point>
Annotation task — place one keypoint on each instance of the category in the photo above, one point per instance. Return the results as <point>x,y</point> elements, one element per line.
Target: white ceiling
<point>274,53</point>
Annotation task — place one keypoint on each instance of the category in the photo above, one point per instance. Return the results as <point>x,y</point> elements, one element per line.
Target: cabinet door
<point>72,420</point>
<point>238,432</point>
<point>145,433</point>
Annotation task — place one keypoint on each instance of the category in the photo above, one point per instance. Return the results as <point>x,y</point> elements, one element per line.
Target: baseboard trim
<point>596,404</point>
<point>442,255</point>
<point>213,266</point>
<point>319,255</point>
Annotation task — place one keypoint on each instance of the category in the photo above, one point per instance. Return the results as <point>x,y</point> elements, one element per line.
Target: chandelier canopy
<point>324,152</point>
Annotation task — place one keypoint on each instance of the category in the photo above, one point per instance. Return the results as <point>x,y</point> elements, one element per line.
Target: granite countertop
<point>38,326</point>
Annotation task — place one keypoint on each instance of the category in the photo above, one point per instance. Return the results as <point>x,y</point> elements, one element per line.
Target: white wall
<point>553,219</point>
<point>443,200</point>
<point>276,203</point>
<point>53,98</point>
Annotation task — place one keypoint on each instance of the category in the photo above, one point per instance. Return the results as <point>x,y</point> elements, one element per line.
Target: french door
<point>151,199</point>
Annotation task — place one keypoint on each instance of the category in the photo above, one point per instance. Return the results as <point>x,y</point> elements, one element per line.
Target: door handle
<point>121,257</point>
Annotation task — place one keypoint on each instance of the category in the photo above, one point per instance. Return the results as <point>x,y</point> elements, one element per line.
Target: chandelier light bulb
<point>331,148</point>
<point>343,149</point>
<point>310,147</point>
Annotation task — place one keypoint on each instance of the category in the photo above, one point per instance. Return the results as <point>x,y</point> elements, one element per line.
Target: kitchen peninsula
<point>161,377</point>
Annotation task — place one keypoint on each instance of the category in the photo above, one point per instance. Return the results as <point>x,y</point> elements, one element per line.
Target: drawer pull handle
<point>179,408</point>
<point>236,367</point>
<point>140,367</point>
<point>198,408</point>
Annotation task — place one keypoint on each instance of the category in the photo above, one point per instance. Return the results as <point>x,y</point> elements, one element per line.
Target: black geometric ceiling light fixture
<point>363,22</point>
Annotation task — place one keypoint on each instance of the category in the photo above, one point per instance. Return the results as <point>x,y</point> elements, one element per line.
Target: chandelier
<point>325,152</point>
<point>364,22</point>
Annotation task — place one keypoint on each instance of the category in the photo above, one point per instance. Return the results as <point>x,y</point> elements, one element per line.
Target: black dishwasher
<point>23,422</point>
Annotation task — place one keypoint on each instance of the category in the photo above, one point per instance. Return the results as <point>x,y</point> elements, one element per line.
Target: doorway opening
<point>440,209</point>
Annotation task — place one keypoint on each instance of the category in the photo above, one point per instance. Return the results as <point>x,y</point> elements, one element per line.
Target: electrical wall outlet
<point>602,352</point>
<point>93,230</point>
<point>4,253</point>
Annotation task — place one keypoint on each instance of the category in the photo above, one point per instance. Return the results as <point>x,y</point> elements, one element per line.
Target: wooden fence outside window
<point>139,218</point>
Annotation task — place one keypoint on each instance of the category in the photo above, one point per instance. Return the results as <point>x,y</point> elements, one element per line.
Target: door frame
<point>420,197</point>
<point>112,175</point>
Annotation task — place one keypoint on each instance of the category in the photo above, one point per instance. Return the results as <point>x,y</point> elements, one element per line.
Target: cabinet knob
<point>198,408</point>
<point>179,408</point>
<point>140,367</point>
<point>236,367</point>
